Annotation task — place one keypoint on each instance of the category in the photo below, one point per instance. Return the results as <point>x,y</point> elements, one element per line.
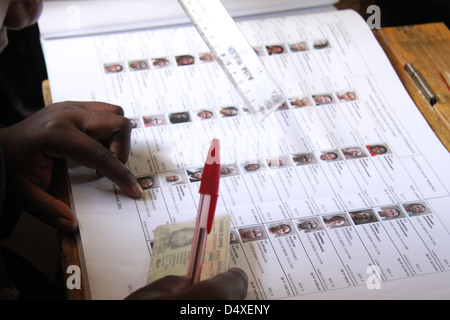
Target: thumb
<point>48,209</point>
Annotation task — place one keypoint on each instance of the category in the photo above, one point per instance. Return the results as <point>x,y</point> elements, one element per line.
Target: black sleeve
<point>9,209</point>
<point>2,180</point>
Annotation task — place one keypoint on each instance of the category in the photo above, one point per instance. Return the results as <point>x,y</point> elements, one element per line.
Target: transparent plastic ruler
<point>238,59</point>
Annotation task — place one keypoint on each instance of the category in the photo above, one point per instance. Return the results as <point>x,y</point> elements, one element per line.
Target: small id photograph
<point>311,224</point>
<point>154,120</point>
<point>228,170</point>
<point>337,220</point>
<point>378,149</point>
<point>137,65</point>
<point>322,99</point>
<point>206,57</point>
<point>194,175</point>
<point>229,111</point>
<point>280,229</point>
<point>203,114</point>
<point>346,96</point>
<point>113,67</point>
<point>162,62</point>
<point>321,44</point>
<point>416,209</point>
<point>179,117</point>
<point>302,159</point>
<point>252,233</point>
<point>276,49</point>
<point>277,162</point>
<point>148,182</point>
<point>390,213</point>
<point>300,102</point>
<point>353,153</point>
<point>330,156</point>
<point>185,60</point>
<point>252,166</point>
<point>363,216</point>
<point>173,178</point>
<point>299,46</point>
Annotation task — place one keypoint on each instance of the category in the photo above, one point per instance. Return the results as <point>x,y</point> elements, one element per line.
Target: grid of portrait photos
<point>203,113</point>
<point>312,224</point>
<point>190,59</point>
<point>319,99</point>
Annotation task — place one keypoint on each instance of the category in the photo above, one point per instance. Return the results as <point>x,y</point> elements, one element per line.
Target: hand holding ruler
<point>237,58</point>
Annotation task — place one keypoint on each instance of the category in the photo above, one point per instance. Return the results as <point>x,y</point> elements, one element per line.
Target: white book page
<point>328,168</point>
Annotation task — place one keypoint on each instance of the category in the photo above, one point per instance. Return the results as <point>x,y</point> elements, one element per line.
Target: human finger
<point>46,208</point>
<point>164,288</point>
<point>92,154</point>
<point>101,121</point>
<point>230,285</point>
<point>80,132</point>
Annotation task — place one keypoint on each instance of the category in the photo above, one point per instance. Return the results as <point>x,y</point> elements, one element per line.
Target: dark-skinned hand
<point>230,285</point>
<point>93,134</point>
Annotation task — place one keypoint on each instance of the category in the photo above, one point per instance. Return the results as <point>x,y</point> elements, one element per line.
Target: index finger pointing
<point>93,154</point>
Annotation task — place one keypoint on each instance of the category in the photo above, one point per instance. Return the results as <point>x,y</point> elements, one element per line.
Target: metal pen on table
<point>421,83</point>
<point>209,192</point>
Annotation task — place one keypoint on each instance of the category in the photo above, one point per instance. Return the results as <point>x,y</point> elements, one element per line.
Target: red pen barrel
<point>211,179</point>
<point>211,171</point>
<point>209,192</point>
<point>199,240</point>
<point>196,262</point>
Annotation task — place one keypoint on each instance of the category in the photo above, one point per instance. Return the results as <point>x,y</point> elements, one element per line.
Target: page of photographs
<point>343,186</point>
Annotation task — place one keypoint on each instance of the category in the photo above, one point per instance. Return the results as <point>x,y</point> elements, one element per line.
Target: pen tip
<point>214,152</point>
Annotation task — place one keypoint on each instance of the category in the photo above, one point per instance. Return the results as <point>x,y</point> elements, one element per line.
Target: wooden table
<point>70,245</point>
<point>426,46</point>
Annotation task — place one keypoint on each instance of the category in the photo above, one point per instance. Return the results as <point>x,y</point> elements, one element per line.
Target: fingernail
<point>138,190</point>
<point>66,225</point>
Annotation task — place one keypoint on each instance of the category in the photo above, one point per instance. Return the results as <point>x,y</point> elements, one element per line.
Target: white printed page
<point>341,193</point>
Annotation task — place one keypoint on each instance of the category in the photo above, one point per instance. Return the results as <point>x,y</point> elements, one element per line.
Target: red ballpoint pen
<point>209,192</point>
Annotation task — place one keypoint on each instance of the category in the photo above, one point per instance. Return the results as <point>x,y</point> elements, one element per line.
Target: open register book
<point>341,193</point>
